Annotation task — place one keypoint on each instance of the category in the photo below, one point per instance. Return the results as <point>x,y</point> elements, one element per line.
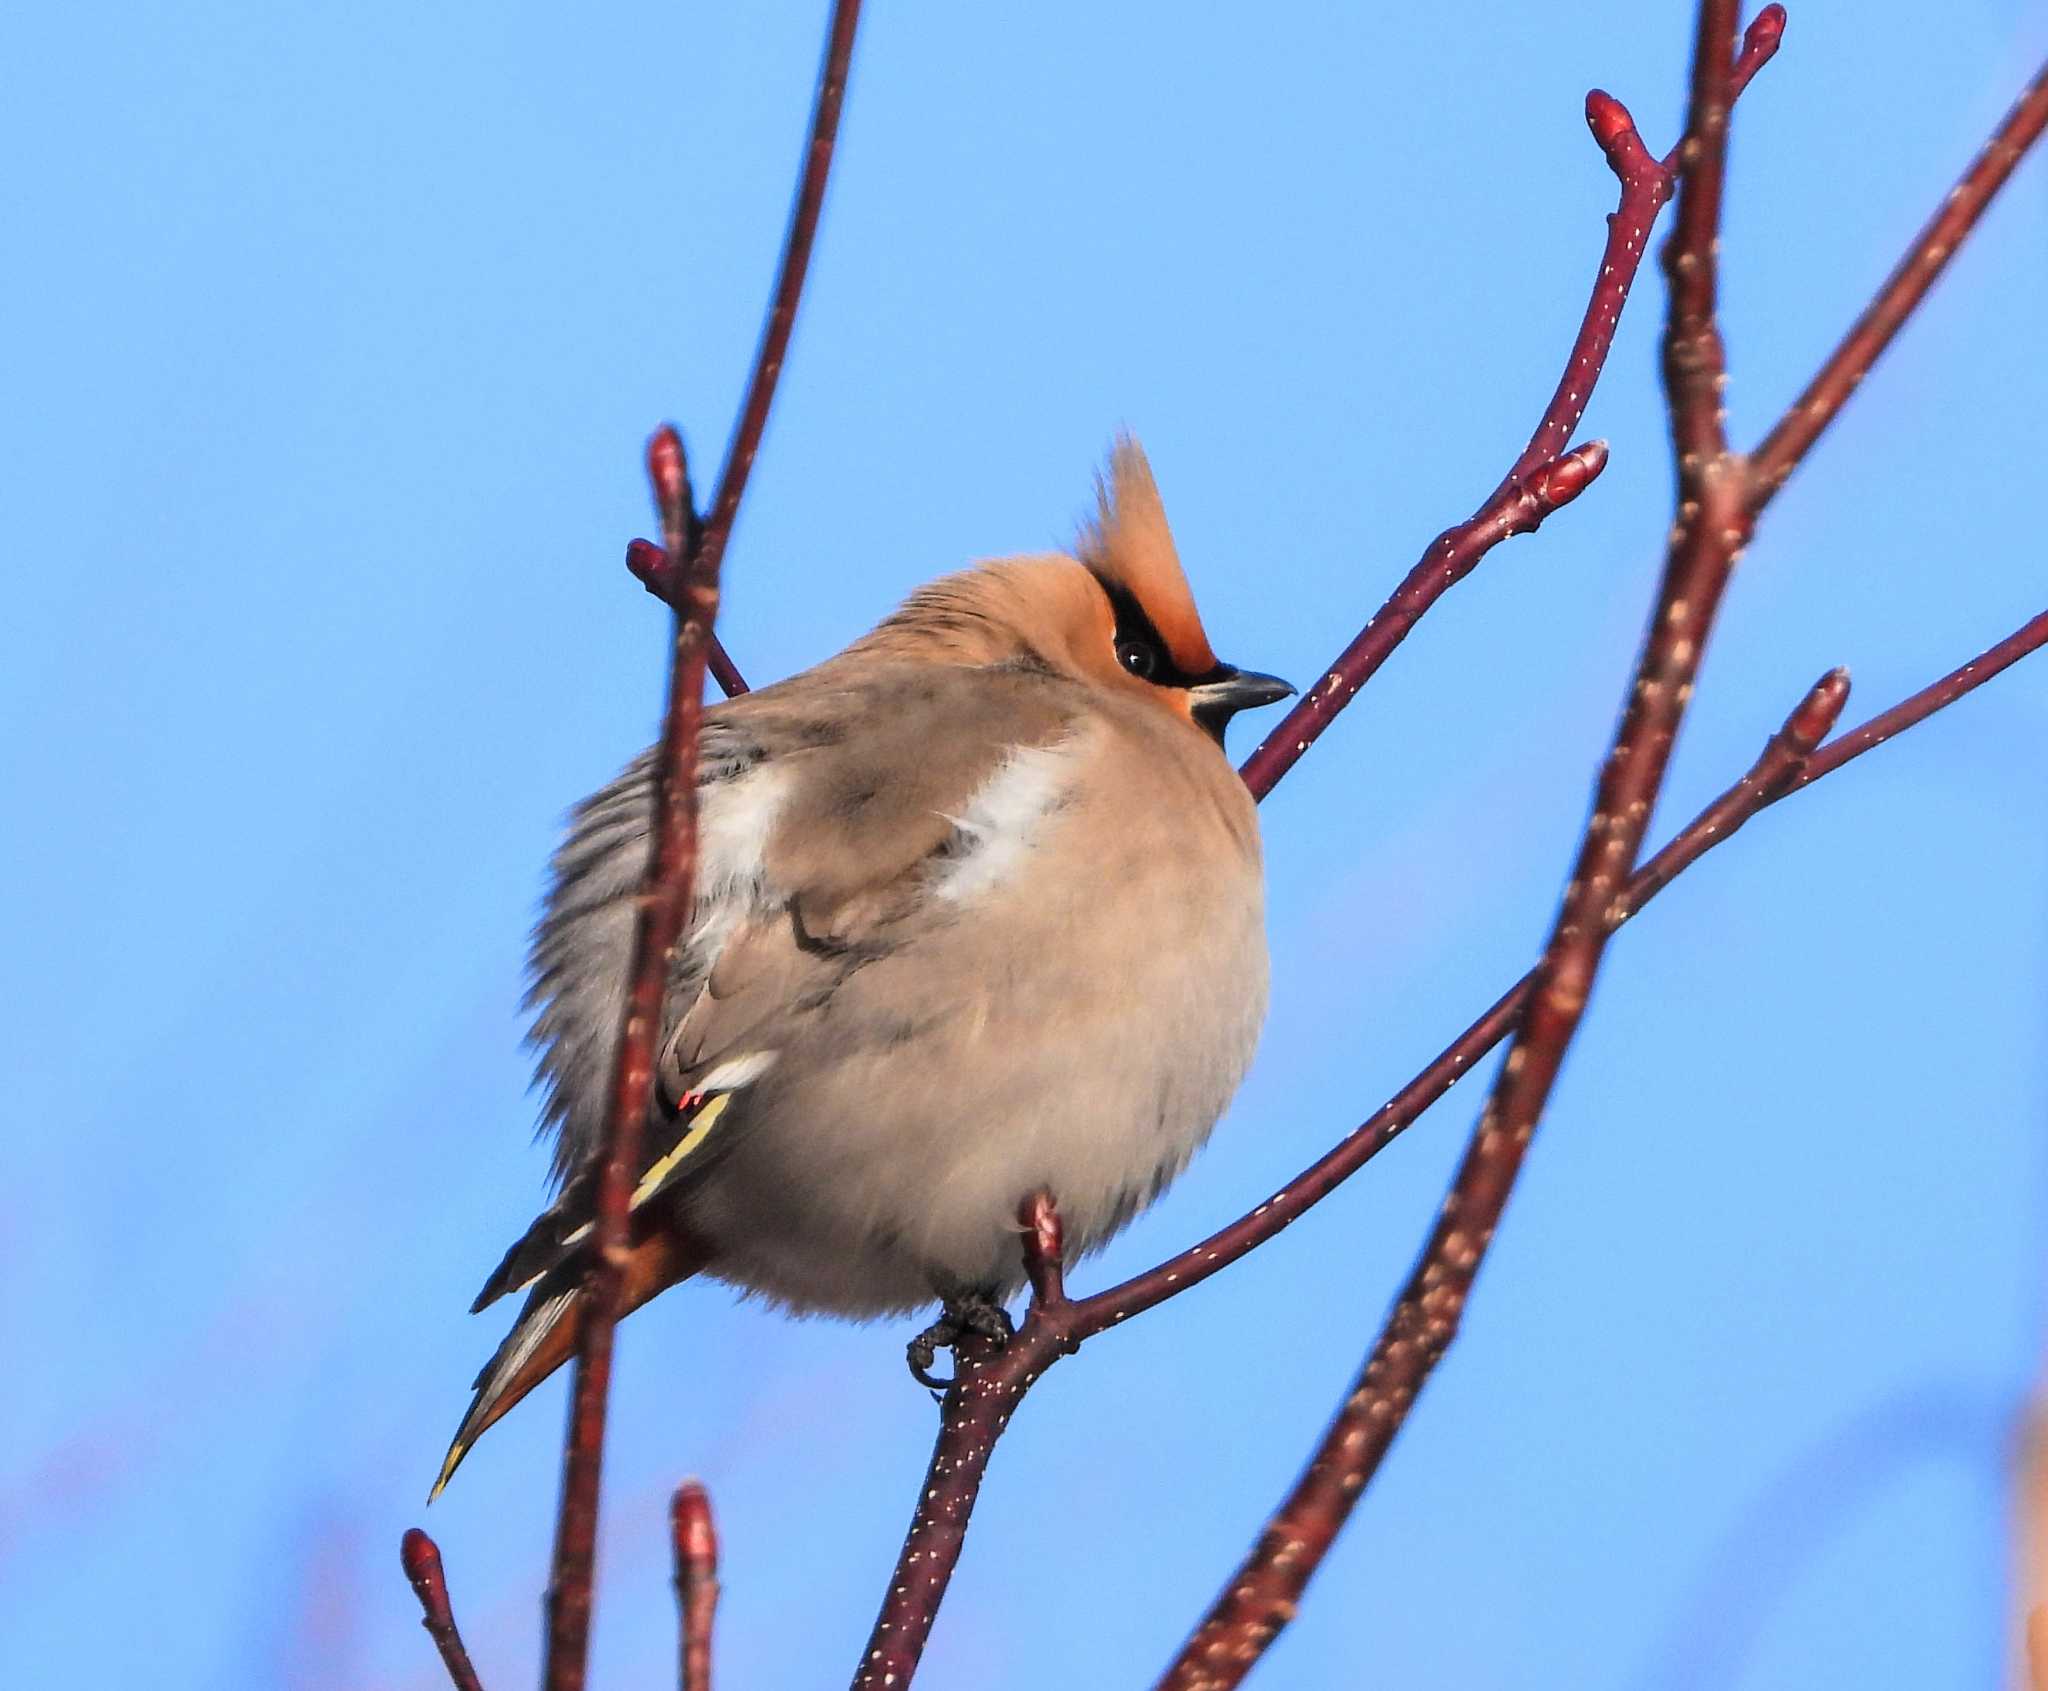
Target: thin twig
<point>421,1559</point>
<point>1938,695</point>
<point>665,902</point>
<point>1712,527</point>
<point>650,566</point>
<point>695,1541</point>
<point>1760,44</point>
<point>650,563</point>
<point>1543,477</point>
<point>1762,785</point>
<point>1794,433</point>
<point>1451,557</point>
<point>666,898</point>
<point>789,285</point>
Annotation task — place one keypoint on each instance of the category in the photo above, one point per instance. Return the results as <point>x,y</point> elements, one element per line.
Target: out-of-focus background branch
<point>321,447</point>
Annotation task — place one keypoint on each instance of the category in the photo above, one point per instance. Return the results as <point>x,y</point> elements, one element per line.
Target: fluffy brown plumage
<point>978,911</point>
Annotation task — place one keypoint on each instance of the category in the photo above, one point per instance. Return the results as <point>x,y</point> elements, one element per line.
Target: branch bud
<point>668,469</point>
<point>690,1526</point>
<point>421,1559</point>
<point>1815,716</point>
<point>1615,132</point>
<point>1563,479</point>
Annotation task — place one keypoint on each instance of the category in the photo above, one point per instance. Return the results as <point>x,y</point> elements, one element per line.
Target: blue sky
<point>331,339</point>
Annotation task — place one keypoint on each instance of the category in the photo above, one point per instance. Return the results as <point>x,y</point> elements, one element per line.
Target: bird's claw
<point>975,1315</point>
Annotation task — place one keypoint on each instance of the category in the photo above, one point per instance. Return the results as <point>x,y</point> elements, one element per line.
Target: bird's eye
<point>1137,656</point>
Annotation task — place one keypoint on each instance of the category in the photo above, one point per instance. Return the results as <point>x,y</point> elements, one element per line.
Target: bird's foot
<point>974,1315</point>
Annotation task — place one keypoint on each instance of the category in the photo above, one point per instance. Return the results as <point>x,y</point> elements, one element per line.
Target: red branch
<point>667,895</point>
<point>651,564</point>
<point>991,1382</point>
<point>2030,637</point>
<point>1718,499</point>
<point>1712,527</point>
<point>1544,477</point>
<point>1793,436</point>
<point>665,903</point>
<point>1785,767</point>
<point>988,1386</point>
<point>650,567</point>
<point>990,1379</point>
<point>421,1559</point>
<point>695,1541</point>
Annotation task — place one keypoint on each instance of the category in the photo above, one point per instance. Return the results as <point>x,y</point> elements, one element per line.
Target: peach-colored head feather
<point>1129,545</point>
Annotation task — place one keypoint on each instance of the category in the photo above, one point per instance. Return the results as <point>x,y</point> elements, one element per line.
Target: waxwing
<point>978,912</point>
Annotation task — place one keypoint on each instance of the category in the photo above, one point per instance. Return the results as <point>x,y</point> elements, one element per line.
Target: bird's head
<point>1116,614</point>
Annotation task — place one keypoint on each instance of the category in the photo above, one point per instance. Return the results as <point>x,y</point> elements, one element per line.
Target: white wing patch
<point>736,1072</point>
<point>734,820</point>
<point>1004,820</point>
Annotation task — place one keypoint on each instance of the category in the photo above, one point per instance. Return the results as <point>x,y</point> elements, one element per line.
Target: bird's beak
<point>1226,691</point>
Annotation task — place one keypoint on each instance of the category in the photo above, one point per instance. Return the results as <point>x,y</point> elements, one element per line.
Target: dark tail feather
<point>545,1335</point>
<point>556,1230</point>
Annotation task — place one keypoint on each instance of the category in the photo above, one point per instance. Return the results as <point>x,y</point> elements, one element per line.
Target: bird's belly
<point>864,1179</point>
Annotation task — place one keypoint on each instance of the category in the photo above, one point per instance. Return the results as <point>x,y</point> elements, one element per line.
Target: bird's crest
<point>1129,546</point>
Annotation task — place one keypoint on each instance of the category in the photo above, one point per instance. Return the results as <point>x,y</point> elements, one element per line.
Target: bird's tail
<point>545,1335</point>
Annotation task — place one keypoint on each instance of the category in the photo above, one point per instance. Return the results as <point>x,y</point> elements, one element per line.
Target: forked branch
<point>666,900</point>
<point>1541,478</point>
<point>1793,435</point>
<point>667,893</point>
<point>1719,496</point>
<point>992,1381</point>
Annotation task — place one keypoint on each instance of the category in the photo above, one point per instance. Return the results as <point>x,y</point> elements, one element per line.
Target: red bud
<point>1564,478</point>
<point>1608,118</point>
<point>1815,717</point>
<point>667,469</point>
<point>689,1519</point>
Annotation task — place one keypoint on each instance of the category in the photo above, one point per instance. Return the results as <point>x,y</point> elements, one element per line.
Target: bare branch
<point>1260,1598</point>
<point>665,902</point>
<point>666,899</point>
<point>1938,695</point>
<point>1719,497</point>
<point>1793,435</point>
<point>1055,1327</point>
<point>1541,479</point>
<point>989,1381</point>
<point>421,1559</point>
<point>695,1542</point>
<point>789,285</point>
<point>650,566</point>
<point>1545,476</point>
<point>987,1387</point>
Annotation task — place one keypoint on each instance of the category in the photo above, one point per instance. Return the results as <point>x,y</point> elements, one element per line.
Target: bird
<point>979,911</point>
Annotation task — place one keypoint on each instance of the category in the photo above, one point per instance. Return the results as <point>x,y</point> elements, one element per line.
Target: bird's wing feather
<point>833,819</point>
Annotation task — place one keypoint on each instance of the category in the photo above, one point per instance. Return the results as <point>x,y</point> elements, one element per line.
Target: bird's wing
<point>835,818</point>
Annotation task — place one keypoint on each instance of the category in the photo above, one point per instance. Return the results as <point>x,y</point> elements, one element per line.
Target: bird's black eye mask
<point>1139,650</point>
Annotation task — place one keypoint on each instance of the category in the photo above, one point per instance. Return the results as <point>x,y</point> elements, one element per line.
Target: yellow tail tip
<point>456,1452</point>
